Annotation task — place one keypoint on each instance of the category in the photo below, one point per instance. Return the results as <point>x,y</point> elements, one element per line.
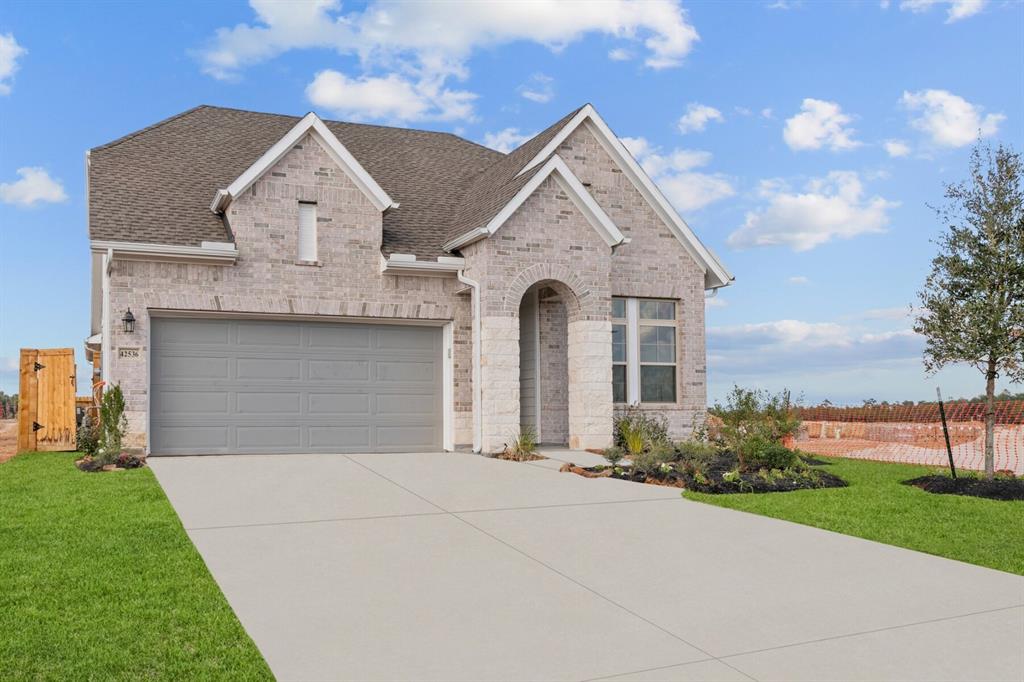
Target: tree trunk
<point>990,419</point>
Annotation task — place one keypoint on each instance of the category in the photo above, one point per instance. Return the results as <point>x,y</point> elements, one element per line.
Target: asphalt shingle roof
<point>156,185</point>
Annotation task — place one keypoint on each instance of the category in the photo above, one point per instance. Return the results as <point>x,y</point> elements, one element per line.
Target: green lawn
<point>877,507</point>
<point>99,581</point>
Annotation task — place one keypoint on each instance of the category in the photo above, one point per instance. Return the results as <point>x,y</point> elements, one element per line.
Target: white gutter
<point>222,252</point>
<point>400,263</point>
<point>477,388</point>
<point>108,261</point>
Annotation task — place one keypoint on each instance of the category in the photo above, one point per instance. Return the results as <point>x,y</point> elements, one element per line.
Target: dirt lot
<point>8,438</point>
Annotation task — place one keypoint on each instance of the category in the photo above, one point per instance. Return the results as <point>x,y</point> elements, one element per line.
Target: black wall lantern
<point>129,322</point>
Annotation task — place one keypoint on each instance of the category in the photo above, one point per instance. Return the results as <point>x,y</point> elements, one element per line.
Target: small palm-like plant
<point>523,445</point>
<point>633,436</point>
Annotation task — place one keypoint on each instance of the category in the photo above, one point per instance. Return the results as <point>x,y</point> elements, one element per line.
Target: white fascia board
<point>310,123</point>
<point>209,251</point>
<point>407,264</point>
<point>570,184</point>
<point>715,273</point>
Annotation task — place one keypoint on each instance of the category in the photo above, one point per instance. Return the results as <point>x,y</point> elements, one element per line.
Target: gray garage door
<point>248,386</point>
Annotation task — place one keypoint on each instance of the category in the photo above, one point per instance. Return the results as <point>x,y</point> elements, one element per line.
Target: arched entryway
<point>544,362</point>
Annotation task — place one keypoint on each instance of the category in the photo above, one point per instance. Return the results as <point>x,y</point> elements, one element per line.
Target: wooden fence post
<point>28,388</point>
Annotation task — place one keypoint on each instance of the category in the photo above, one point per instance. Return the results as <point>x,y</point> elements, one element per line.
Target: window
<point>619,350</point>
<point>643,350</point>
<point>307,233</point>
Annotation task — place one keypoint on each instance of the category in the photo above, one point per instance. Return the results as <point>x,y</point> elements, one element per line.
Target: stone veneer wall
<point>266,279</point>
<point>554,372</point>
<point>653,265</point>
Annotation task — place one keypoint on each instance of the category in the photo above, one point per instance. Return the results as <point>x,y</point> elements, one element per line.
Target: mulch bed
<point>532,457</point>
<point>123,461</point>
<point>709,477</point>
<point>995,489</point>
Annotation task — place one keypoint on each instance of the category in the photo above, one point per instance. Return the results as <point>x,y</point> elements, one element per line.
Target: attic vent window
<point>307,233</point>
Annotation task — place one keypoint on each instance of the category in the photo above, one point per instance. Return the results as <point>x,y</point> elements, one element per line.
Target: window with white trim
<point>307,232</point>
<point>643,350</point>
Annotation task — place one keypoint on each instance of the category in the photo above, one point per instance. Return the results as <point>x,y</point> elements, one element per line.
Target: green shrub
<point>112,427</point>
<point>637,431</point>
<point>614,455</point>
<point>749,413</point>
<point>87,439</point>
<point>695,451</point>
<point>757,452</point>
<point>655,459</point>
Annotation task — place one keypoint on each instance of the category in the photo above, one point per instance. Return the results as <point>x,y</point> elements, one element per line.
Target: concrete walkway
<point>458,567</point>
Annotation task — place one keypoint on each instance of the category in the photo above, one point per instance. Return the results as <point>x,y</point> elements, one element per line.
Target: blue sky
<point>801,141</point>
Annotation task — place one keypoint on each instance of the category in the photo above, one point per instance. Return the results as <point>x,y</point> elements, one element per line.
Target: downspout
<point>107,340</point>
<point>477,388</point>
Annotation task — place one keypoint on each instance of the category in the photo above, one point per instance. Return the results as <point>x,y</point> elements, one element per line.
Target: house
<point>266,283</point>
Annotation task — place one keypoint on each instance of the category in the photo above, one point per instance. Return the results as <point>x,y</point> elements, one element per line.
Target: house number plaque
<point>127,352</point>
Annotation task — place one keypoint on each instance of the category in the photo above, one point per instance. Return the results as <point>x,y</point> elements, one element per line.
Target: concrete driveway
<point>458,567</point>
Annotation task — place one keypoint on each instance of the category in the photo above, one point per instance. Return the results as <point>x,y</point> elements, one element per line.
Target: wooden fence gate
<point>46,400</point>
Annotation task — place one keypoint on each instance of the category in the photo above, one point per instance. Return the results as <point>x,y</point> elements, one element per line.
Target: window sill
<point>310,263</point>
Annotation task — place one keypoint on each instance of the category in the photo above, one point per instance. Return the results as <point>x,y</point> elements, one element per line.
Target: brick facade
<point>546,241</point>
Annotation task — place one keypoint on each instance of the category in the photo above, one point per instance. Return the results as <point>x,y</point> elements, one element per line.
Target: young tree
<point>972,304</point>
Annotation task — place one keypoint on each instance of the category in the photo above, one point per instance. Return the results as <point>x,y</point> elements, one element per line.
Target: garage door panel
<point>340,438</point>
<point>191,402</point>
<point>269,402</point>
<point>339,370</point>
<point>246,386</point>
<point>270,334</point>
<point>268,368</point>
<point>339,403</point>
<point>184,368</point>
<point>404,371</point>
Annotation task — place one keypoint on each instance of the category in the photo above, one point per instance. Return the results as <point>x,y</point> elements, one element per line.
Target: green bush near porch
<point>877,506</point>
<point>98,580</point>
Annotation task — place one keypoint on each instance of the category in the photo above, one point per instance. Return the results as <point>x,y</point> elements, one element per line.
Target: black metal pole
<point>945,431</point>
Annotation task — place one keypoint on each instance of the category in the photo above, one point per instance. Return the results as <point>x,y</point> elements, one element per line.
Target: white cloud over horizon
<point>956,10</point>
<point>819,124</point>
<point>833,207</point>
<point>10,52</point>
<point>415,48</point>
<point>947,119</point>
<point>33,186</point>
<point>675,173</point>
<point>540,88</point>
<point>697,117</point>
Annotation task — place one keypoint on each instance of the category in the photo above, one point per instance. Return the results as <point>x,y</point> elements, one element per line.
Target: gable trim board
<point>570,184</point>
<point>716,274</point>
<point>310,123</point>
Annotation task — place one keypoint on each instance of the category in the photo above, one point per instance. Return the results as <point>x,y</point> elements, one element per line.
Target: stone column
<point>590,384</point>
<point>499,381</point>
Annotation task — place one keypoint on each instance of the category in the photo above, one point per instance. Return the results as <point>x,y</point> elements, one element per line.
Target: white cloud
<point>955,9</point>
<point>798,279</point>
<point>893,313</point>
<point>896,148</point>
<point>35,185</point>
<point>766,113</point>
<point>948,119</point>
<point>10,51</point>
<point>675,174</point>
<point>390,97</point>
<point>540,88</point>
<point>505,140</point>
<point>620,54</point>
<point>426,43</point>
<point>794,346</point>
<point>819,124</point>
<point>697,117</point>
<point>833,207</point>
